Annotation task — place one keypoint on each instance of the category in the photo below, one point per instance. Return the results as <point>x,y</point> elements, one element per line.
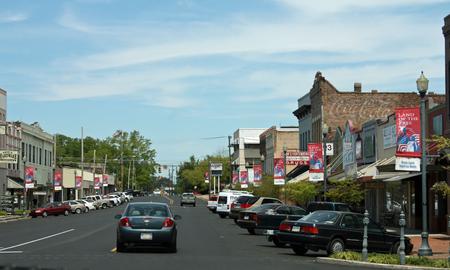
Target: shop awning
<point>13,184</point>
<point>401,177</point>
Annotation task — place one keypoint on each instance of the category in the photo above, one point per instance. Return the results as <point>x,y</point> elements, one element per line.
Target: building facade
<point>3,167</point>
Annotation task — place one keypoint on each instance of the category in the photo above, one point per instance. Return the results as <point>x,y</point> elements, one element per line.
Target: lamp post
<point>285,169</point>
<point>25,191</point>
<point>422,87</point>
<point>324,133</point>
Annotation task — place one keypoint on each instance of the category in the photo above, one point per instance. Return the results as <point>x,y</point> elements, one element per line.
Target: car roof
<point>144,203</point>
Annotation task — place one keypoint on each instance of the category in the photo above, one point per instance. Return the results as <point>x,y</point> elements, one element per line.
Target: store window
<point>437,125</point>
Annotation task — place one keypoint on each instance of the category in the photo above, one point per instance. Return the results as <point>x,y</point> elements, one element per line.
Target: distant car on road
<point>188,198</point>
<point>147,224</point>
<point>76,207</point>
<point>88,203</point>
<point>55,208</point>
<point>335,232</point>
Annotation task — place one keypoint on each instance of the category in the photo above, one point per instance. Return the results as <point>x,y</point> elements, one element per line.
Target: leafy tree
<point>302,192</point>
<point>267,188</point>
<point>346,191</point>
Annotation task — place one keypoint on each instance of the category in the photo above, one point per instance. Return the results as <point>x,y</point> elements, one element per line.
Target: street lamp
<point>285,168</point>
<point>324,133</point>
<point>422,87</point>
<point>25,191</point>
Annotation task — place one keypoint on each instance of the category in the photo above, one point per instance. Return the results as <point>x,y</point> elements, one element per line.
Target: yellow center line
<point>114,250</point>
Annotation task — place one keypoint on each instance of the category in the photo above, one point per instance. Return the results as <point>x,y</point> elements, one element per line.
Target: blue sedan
<point>147,224</point>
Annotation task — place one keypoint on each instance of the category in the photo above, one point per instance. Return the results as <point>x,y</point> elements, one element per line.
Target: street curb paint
<point>326,260</point>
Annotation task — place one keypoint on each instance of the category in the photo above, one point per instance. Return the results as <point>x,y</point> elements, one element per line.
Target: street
<point>87,241</point>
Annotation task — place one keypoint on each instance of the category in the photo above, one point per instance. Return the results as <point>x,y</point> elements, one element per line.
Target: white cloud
<point>69,20</point>
<point>9,17</point>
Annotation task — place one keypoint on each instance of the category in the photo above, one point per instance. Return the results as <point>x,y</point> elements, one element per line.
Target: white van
<point>225,199</point>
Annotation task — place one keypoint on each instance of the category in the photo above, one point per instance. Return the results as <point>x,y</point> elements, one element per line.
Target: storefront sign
<point>216,169</point>
<point>78,181</point>
<point>408,132</point>
<point>407,164</point>
<point>96,182</point>
<point>8,156</point>
<point>315,153</point>
<point>105,179</point>
<point>278,171</point>
<point>296,157</point>
<point>57,180</point>
<point>29,177</point>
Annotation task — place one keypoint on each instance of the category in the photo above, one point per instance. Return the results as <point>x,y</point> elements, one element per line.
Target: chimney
<point>357,87</point>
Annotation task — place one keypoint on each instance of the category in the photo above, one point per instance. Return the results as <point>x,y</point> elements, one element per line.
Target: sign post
<point>216,172</point>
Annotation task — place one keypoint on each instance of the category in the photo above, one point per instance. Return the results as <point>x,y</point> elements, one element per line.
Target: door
<point>352,234</point>
<point>296,213</point>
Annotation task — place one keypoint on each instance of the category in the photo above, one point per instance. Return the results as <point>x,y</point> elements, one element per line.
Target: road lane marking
<point>114,250</point>
<point>36,240</point>
<point>10,252</point>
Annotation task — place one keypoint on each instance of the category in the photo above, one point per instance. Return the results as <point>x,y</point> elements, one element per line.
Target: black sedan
<point>147,224</point>
<point>337,231</point>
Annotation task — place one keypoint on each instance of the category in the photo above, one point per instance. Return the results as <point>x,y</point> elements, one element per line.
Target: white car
<point>88,203</point>
<point>114,199</point>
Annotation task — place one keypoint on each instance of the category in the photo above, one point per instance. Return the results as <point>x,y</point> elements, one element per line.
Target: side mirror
<point>119,216</point>
<point>177,217</point>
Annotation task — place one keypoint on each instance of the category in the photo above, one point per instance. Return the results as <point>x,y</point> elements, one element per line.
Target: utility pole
<point>82,167</point>
<point>229,155</point>
<point>104,172</point>
<point>93,172</point>
<point>129,172</point>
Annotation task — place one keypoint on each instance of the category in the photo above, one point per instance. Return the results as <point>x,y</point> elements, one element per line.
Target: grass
<point>392,259</point>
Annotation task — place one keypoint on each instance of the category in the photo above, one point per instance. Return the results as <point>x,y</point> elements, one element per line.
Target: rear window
<point>263,207</point>
<point>151,210</point>
<point>321,217</point>
<point>243,199</point>
<point>188,195</point>
<point>252,200</point>
<point>222,199</point>
<point>342,207</point>
<point>319,206</point>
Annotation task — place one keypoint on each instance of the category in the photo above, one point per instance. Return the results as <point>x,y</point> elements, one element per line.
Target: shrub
<point>384,258</point>
<point>347,255</point>
<point>3,213</point>
<point>302,192</point>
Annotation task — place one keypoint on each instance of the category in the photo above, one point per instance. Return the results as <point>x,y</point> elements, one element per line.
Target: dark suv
<point>331,206</point>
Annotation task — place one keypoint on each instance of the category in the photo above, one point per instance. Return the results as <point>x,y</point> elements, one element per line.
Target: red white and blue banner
<point>243,179</point>
<point>96,182</point>
<point>278,171</point>
<point>315,152</point>
<point>409,142</point>
<point>29,177</point>
<point>78,181</point>
<point>57,180</point>
<point>105,179</point>
<point>235,178</point>
<point>257,174</point>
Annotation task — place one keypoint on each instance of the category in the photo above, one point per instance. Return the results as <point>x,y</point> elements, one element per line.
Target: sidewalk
<point>439,243</point>
<point>8,218</point>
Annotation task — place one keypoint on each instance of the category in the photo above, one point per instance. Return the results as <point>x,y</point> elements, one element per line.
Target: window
<point>348,222</point>
<point>283,210</point>
<point>298,211</point>
<point>40,156</point>
<point>23,149</point>
<point>437,125</point>
<point>50,159</point>
<point>34,154</point>
<point>29,153</point>
<point>45,157</point>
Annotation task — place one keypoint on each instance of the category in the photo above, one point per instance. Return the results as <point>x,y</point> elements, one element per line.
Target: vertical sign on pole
<point>243,178</point>
<point>409,142</point>
<point>257,175</point>
<point>278,171</point>
<point>315,151</point>
<point>57,180</point>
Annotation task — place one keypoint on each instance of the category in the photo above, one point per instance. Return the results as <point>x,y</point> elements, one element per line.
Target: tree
<point>302,192</point>
<point>267,188</point>
<point>346,191</point>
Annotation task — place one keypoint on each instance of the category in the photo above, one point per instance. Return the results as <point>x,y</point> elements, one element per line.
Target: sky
<point>184,70</point>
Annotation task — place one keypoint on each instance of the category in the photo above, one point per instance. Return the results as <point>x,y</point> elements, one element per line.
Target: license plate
<point>295,228</point>
<point>246,217</point>
<point>146,236</point>
<point>269,232</point>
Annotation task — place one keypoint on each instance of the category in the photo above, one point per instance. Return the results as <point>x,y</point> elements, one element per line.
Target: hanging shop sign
<point>315,152</point>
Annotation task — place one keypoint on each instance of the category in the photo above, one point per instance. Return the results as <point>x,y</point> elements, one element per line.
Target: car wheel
<point>120,247</point>
<point>235,221</point>
<point>87,210</point>
<point>396,248</point>
<point>66,212</point>
<point>173,247</point>
<point>335,246</point>
<point>278,243</point>
<point>181,204</point>
<point>104,206</point>
<point>251,231</point>
<point>78,210</point>
<point>194,204</point>
<point>299,250</point>
<point>44,214</point>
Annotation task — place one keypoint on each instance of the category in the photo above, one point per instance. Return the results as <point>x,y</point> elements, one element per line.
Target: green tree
<point>267,188</point>
<point>346,191</point>
<point>302,192</point>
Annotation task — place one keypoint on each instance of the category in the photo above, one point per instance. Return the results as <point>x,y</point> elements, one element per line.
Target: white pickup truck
<point>99,202</point>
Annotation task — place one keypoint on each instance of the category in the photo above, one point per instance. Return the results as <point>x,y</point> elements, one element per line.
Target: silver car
<point>188,198</point>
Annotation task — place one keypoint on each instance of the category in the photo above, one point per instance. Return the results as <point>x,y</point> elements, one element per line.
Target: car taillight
<point>124,222</point>
<point>255,218</point>
<point>284,227</point>
<point>310,230</point>
<point>168,223</point>
<point>245,205</point>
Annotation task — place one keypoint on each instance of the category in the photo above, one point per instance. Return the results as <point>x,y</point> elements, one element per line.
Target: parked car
<point>113,199</point>
<point>76,207</point>
<point>248,219</point>
<point>88,203</point>
<point>147,224</point>
<point>337,231</point>
<point>332,206</point>
<point>212,203</point>
<point>95,202</point>
<point>225,199</point>
<point>54,208</point>
<point>241,203</point>
<point>100,202</point>
<point>188,198</point>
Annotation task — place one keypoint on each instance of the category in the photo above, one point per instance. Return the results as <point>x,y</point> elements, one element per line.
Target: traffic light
<point>159,169</point>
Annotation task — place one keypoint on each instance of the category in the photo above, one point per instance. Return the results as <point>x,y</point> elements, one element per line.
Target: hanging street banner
<point>243,179</point>
<point>96,182</point>
<point>409,142</point>
<point>278,172</point>
<point>57,180</point>
<point>296,157</point>
<point>216,169</point>
<point>235,178</point>
<point>105,179</point>
<point>78,181</point>
<point>206,177</point>
<point>29,177</point>
<point>257,175</point>
<point>315,152</point>
<point>9,156</point>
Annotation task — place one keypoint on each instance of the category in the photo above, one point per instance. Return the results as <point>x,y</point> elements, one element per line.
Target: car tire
<point>194,204</point>
<point>66,212</point>
<point>336,245</point>
<point>44,215</point>
<point>251,231</point>
<point>396,248</point>
<point>104,206</point>
<point>87,210</point>
<point>78,211</point>
<point>120,247</point>
<point>222,216</point>
<point>172,248</point>
<point>278,243</point>
<point>299,250</point>
<point>235,221</point>
<point>181,204</point>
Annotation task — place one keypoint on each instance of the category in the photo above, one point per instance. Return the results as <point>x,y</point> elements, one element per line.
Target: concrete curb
<point>13,218</point>
<point>372,265</point>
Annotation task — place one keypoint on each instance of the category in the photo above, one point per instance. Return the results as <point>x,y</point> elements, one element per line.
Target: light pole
<point>325,133</point>
<point>422,87</point>
<point>285,173</point>
<point>25,191</point>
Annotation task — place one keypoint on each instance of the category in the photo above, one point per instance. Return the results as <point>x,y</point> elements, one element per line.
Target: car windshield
<point>152,210</point>
<point>321,217</point>
<point>252,200</point>
<point>243,199</point>
<point>188,195</point>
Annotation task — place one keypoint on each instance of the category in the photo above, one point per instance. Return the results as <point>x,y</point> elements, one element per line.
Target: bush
<point>347,255</point>
<point>424,261</point>
<point>302,192</point>
<point>3,213</point>
<point>21,212</point>
<point>384,258</point>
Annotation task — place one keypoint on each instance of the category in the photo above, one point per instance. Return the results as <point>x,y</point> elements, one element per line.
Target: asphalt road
<point>87,241</point>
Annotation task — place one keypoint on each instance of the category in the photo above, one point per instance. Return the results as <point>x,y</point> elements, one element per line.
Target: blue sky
<point>179,71</point>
